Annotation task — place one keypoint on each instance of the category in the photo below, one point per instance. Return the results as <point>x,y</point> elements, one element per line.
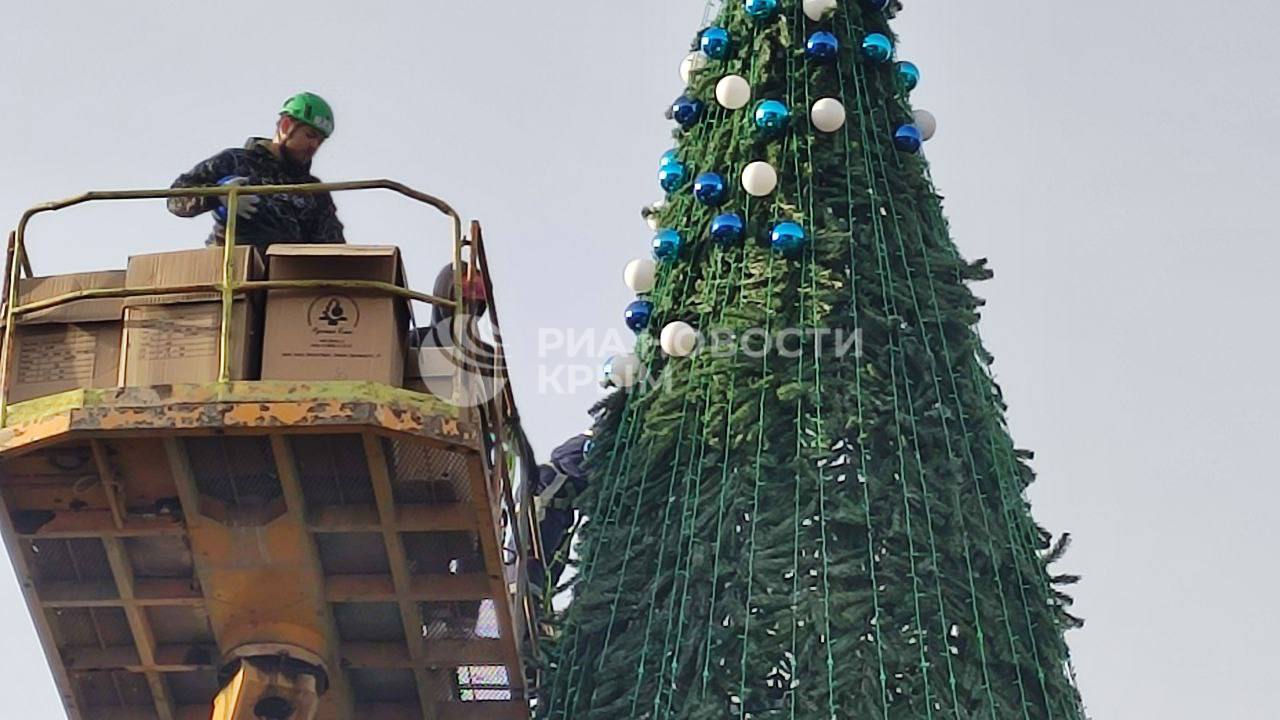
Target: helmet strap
<point>281,141</point>
<point>283,137</point>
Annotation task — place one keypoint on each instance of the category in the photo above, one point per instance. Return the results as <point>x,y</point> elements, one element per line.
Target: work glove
<point>246,206</point>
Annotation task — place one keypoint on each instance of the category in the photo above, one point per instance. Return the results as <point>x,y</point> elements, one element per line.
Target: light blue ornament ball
<point>716,43</point>
<point>667,244</point>
<point>877,48</point>
<point>709,188</point>
<point>668,157</point>
<point>772,117</point>
<point>638,314</point>
<point>822,46</point>
<point>788,238</point>
<point>728,229</point>
<point>686,111</point>
<point>762,9</point>
<point>908,75</point>
<point>672,176</point>
<point>907,138</point>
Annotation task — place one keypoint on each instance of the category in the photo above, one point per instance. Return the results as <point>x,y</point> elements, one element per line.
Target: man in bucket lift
<point>305,122</point>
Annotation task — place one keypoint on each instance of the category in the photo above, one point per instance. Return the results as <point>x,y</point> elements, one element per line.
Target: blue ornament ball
<point>672,176</point>
<point>908,75</point>
<point>822,46</point>
<point>728,229</point>
<point>877,48</point>
<point>907,138</point>
<point>667,244</point>
<point>772,116</point>
<point>668,158</point>
<point>638,314</point>
<point>716,43</point>
<point>709,188</point>
<point>788,238</point>
<point>686,111</point>
<point>762,9</point>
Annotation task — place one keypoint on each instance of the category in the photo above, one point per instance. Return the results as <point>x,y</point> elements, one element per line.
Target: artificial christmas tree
<point>818,512</point>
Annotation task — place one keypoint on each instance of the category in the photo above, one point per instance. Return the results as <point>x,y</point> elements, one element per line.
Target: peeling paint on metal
<point>236,405</point>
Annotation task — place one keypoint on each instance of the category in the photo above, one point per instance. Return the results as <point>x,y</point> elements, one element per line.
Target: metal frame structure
<point>229,287</point>
<point>128,435</point>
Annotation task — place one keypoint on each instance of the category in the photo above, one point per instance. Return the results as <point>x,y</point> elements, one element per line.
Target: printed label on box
<point>175,338</point>
<point>333,316</point>
<point>333,322</point>
<point>56,354</point>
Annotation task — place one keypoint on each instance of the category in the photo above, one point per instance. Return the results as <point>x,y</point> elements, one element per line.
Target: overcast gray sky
<point>1116,161</point>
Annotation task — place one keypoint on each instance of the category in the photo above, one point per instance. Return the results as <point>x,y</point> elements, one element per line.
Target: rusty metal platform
<point>376,512</point>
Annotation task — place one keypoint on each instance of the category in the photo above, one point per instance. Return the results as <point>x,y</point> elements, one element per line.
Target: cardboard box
<point>71,346</point>
<point>174,338</point>
<point>335,334</point>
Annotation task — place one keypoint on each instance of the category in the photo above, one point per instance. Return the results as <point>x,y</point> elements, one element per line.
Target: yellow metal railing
<point>229,287</point>
<point>499,412</point>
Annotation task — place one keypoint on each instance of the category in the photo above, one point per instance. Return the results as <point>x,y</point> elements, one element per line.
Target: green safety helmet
<point>311,109</point>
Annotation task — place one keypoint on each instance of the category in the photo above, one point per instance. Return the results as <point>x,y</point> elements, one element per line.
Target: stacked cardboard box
<point>311,334</point>
<point>172,339</point>
<point>70,346</point>
<point>335,334</point>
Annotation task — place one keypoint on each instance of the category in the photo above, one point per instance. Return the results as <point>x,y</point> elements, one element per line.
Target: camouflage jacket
<point>301,218</point>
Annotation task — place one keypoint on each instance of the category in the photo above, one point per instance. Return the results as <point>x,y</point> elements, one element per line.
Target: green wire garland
<point>811,534</point>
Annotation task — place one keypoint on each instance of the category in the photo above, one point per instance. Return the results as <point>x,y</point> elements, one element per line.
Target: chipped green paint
<point>266,391</point>
<point>186,414</point>
<point>34,410</point>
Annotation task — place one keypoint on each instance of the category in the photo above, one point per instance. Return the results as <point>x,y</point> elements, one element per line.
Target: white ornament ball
<point>679,339</point>
<point>926,122</point>
<point>625,370</point>
<point>759,179</point>
<point>693,62</point>
<point>815,10</point>
<point>733,92</point>
<point>828,115</point>
<point>641,275</point>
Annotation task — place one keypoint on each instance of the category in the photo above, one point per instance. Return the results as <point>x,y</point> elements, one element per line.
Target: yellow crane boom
<point>284,550</point>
